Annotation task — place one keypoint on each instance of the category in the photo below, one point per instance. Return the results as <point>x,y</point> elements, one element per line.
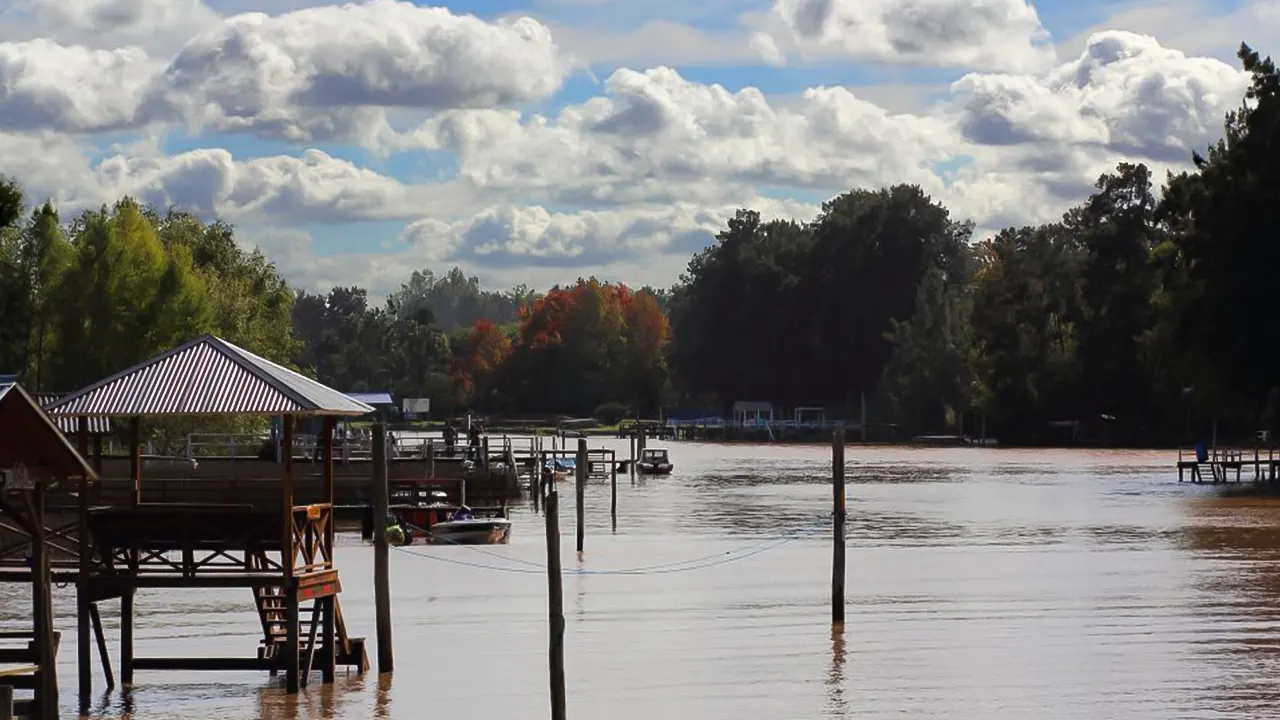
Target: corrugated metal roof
<point>69,425</point>
<point>374,398</point>
<point>207,376</point>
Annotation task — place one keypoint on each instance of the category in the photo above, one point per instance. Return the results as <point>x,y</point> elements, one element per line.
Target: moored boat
<point>654,461</point>
<point>465,528</point>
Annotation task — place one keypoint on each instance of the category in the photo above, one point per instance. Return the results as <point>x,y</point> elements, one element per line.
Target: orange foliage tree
<point>478,356</point>
<point>588,344</point>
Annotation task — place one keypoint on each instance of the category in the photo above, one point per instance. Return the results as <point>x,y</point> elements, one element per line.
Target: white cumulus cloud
<point>307,74</point>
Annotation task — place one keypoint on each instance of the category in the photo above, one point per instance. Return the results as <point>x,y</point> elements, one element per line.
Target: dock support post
<point>555,605</point>
<point>126,638</point>
<point>613,491</point>
<point>46,692</point>
<point>328,622</point>
<point>381,551</point>
<point>838,520</point>
<point>83,647</point>
<point>104,655</point>
<point>288,557</point>
<point>580,487</point>
<point>6,702</point>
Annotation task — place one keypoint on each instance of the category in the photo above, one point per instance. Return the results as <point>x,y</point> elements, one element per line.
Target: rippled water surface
<point>982,583</point>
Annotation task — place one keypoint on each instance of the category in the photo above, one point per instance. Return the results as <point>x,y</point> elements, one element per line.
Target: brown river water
<point>982,583</point>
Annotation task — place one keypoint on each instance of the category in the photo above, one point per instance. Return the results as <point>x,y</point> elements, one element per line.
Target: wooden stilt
<point>288,557</point>
<point>329,640</point>
<point>580,488</point>
<point>83,606</point>
<point>555,606</point>
<point>838,516</point>
<point>42,611</point>
<point>95,618</point>
<point>381,551</point>
<point>126,638</point>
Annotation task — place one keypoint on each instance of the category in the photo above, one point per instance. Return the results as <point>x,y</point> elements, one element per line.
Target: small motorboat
<point>464,528</point>
<point>562,467</point>
<point>654,461</point>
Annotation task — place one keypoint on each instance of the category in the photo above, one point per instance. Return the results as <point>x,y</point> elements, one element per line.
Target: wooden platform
<point>1224,465</point>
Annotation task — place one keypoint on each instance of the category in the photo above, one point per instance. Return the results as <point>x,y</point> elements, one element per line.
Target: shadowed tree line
<point>1133,314</point>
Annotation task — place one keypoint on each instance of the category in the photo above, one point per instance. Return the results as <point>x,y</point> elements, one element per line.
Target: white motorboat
<point>654,461</point>
<point>464,528</point>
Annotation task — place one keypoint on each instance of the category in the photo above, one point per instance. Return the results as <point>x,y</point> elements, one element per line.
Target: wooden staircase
<point>270,602</point>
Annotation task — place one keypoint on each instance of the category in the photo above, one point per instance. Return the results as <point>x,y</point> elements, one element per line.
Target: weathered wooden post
<point>381,551</point>
<point>83,622</point>
<point>292,639</point>
<point>43,640</point>
<point>613,490</point>
<point>431,458</point>
<point>838,518</point>
<point>6,702</point>
<point>631,443</point>
<point>484,453</point>
<point>329,619</point>
<point>555,605</point>
<point>580,490</point>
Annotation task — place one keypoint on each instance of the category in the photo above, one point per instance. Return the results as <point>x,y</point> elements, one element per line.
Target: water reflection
<point>837,707</point>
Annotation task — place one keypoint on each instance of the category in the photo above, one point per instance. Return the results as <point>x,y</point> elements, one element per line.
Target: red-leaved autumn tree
<point>478,357</point>
<point>588,344</point>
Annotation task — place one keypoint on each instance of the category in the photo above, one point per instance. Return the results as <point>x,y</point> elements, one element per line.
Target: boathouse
<point>752,413</point>
<point>34,457</point>
<point>282,557</point>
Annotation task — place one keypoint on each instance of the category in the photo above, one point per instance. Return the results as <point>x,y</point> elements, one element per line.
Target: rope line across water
<point>701,563</point>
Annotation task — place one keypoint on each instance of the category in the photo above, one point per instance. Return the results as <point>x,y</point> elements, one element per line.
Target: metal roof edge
<point>73,396</point>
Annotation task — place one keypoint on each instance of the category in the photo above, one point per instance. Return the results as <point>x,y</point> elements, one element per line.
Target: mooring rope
<point>700,563</point>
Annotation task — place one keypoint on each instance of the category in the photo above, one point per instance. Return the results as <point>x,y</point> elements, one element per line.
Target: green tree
<point>123,298</point>
<point>1224,252</point>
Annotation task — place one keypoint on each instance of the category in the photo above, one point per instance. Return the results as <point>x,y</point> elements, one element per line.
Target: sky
<point>539,141</point>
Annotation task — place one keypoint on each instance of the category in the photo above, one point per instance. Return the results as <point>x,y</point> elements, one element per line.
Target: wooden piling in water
<point>838,520</point>
<point>95,618</point>
<point>6,702</point>
<point>613,494</point>
<point>555,605</point>
<point>83,604</point>
<point>580,488</point>
<point>381,551</point>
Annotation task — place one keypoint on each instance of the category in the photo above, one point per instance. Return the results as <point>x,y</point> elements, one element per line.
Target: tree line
<point>1136,315</point>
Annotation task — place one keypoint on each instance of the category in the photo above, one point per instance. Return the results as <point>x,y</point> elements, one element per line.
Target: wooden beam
<point>205,663</point>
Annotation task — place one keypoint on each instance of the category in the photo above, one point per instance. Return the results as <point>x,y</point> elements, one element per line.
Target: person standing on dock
<point>450,438</point>
<point>473,441</point>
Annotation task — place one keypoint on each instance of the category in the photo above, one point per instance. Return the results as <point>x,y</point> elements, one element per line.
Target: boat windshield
<point>658,456</point>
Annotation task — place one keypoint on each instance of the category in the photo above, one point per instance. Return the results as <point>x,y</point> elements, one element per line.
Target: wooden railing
<point>312,539</point>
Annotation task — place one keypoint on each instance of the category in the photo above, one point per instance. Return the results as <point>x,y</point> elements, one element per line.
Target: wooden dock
<point>1226,464</point>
